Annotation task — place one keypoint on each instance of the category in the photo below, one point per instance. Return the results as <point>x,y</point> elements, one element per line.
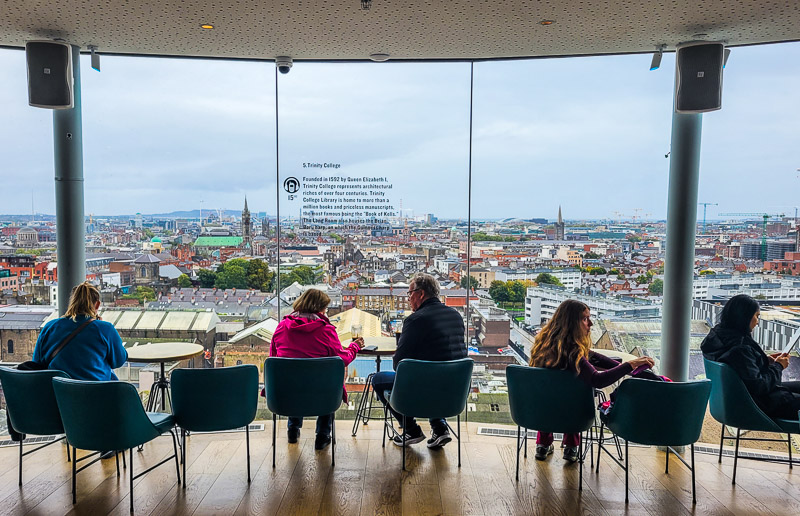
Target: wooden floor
<point>367,480</point>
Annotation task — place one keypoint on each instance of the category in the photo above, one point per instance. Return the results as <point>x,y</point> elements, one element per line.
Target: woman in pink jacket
<point>307,333</point>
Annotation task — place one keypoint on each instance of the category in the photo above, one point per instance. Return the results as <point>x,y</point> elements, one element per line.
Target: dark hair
<point>738,312</point>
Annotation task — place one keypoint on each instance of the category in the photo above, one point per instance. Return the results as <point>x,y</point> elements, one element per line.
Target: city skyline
<point>169,133</point>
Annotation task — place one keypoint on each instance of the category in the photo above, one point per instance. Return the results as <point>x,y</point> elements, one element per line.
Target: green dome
<point>156,239</point>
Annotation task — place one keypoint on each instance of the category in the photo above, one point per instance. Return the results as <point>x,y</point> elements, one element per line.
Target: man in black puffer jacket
<point>433,332</point>
<point>730,342</point>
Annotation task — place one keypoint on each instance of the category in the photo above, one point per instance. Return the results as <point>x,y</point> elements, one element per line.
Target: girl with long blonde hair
<point>564,343</point>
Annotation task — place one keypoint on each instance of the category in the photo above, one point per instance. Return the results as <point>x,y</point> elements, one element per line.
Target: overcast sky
<point>588,134</point>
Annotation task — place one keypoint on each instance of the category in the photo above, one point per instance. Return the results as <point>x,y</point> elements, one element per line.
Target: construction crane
<point>765,217</point>
<point>705,205</point>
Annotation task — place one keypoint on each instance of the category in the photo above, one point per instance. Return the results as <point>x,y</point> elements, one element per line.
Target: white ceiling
<point>405,29</point>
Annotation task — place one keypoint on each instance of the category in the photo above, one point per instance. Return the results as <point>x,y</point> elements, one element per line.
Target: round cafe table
<point>386,348</point>
<point>162,352</point>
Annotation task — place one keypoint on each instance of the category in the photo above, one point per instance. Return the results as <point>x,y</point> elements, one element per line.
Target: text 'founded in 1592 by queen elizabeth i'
<point>345,202</point>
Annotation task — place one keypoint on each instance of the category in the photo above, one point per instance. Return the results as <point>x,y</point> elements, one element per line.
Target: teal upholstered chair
<point>549,400</point>
<point>304,387</point>
<point>431,390</point>
<point>211,400</point>
<point>732,405</point>
<point>102,416</point>
<point>31,405</point>
<point>657,414</point>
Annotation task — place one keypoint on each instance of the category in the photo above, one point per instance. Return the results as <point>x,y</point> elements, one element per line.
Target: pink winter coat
<point>310,336</point>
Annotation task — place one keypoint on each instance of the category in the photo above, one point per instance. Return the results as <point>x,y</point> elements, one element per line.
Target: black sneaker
<point>322,441</point>
<point>571,454</point>
<point>413,437</point>
<point>543,451</point>
<point>293,434</point>
<point>439,440</point>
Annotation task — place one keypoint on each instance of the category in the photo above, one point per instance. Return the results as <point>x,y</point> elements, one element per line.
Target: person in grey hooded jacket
<point>730,342</point>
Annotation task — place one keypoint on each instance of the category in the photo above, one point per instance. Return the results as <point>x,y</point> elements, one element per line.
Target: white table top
<point>163,352</point>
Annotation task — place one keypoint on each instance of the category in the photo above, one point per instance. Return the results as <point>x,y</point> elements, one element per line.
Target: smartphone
<point>371,348</point>
<point>639,369</point>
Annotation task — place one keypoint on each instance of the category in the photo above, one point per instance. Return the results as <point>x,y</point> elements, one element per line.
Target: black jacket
<point>761,377</point>
<point>434,332</point>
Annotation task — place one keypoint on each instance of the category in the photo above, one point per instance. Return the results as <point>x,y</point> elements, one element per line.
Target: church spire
<point>560,220</point>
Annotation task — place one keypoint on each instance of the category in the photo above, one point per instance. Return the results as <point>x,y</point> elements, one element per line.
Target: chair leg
<point>333,439</point>
<point>183,455</point>
<point>68,459</point>
<point>20,460</point>
<point>404,442</point>
<point>385,429</point>
<point>789,441</point>
<point>124,464</point>
<point>458,436</point>
<point>518,440</point>
<point>274,422</point>
<point>175,449</point>
<point>721,442</point>
<point>130,472</point>
<point>599,449</point>
<point>735,457</point>
<point>694,493</point>
<point>666,468</point>
<point>116,459</point>
<point>580,462</point>
<point>247,438</point>
<point>74,474</point>
<point>627,470</point>
<point>526,443</point>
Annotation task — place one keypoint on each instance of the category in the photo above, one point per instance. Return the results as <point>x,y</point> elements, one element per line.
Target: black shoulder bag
<point>31,365</point>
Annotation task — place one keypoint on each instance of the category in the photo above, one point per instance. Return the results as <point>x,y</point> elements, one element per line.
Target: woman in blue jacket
<point>94,352</point>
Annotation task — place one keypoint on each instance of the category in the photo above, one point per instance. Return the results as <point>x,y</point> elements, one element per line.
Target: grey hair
<point>426,283</point>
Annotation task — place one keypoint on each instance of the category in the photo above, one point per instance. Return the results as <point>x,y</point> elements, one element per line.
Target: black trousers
<point>789,410</point>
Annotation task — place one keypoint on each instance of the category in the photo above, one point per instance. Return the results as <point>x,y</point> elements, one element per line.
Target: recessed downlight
<point>206,26</point>
<point>547,22</point>
<point>379,57</point>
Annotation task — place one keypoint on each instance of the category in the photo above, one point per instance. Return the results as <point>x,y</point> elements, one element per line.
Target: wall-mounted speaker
<point>698,85</point>
<point>50,79</point>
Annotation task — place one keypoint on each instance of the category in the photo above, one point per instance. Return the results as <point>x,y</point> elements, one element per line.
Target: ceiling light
<point>366,4</point>
<point>379,58</point>
<point>206,26</point>
<point>546,22</point>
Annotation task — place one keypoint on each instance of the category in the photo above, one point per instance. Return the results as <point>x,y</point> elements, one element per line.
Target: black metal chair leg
<point>404,442</point>
<point>74,474</point>
<point>247,438</point>
<point>735,457</point>
<point>599,449</point>
<point>274,422</point>
<point>333,439</point>
<point>20,461</point>
<point>385,429</point>
<point>130,471</point>
<point>721,442</point>
<point>525,443</point>
<point>580,462</point>
<point>518,441</point>
<point>116,459</point>
<point>627,470</point>
<point>666,468</point>
<point>458,436</point>
<point>183,455</point>
<point>124,464</point>
<point>175,449</point>
<point>789,440</point>
<point>68,459</point>
<point>694,493</point>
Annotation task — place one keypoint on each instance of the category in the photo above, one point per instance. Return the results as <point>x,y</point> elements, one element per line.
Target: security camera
<point>283,63</point>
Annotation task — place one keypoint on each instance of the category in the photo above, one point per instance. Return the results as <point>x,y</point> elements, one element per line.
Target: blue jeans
<point>323,424</point>
<point>384,381</point>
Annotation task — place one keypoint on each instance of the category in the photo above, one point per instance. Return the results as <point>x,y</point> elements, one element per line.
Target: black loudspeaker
<point>50,80</point>
<point>699,77</point>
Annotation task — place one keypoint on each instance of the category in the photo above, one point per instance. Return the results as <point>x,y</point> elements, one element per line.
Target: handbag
<point>32,365</point>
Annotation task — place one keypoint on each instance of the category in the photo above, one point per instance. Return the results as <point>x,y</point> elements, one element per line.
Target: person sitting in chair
<point>433,332</point>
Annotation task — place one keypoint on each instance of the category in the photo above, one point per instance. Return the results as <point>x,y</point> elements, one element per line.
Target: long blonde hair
<point>82,301</point>
<point>561,343</point>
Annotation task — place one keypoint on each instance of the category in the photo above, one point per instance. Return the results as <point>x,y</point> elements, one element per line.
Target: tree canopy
<point>548,279</point>
<point>184,281</point>
<point>469,282</point>
<point>656,287</point>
